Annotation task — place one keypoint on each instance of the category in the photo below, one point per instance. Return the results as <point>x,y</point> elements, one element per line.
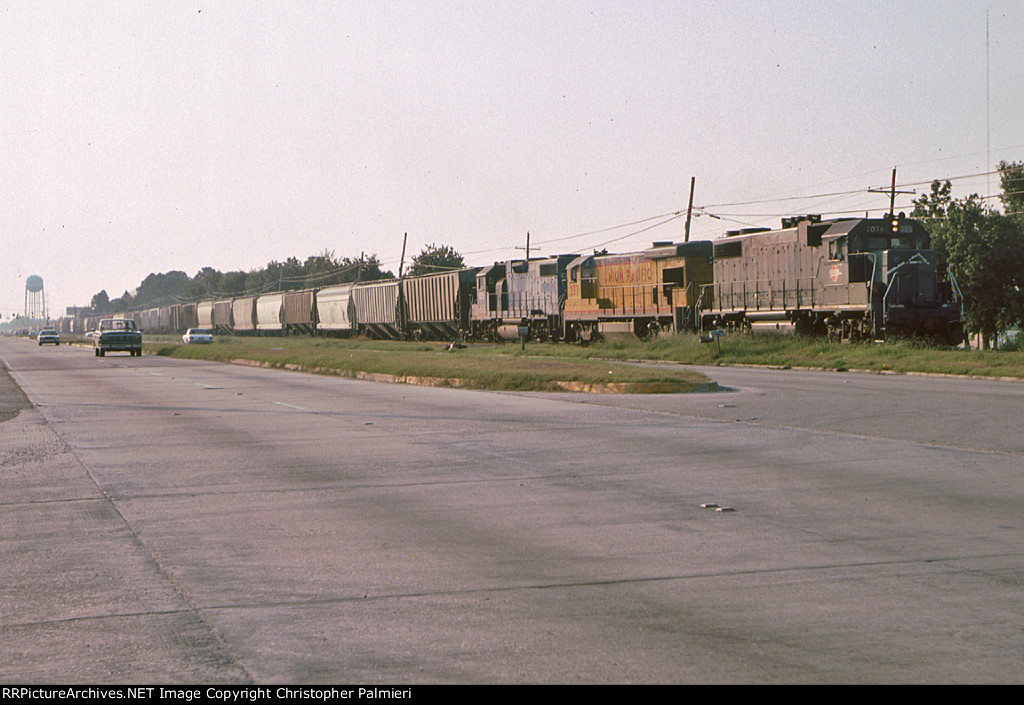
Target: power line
<point>642,230</point>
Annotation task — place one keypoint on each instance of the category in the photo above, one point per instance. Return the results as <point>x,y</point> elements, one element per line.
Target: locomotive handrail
<point>871,283</point>
<point>956,287</point>
<point>763,296</point>
<point>956,291</point>
<point>917,259</point>
<point>631,297</point>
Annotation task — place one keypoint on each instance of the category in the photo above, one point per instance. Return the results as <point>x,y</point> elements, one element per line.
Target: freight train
<point>848,279</point>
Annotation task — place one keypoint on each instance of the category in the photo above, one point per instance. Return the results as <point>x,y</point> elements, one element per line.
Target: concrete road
<point>171,521</point>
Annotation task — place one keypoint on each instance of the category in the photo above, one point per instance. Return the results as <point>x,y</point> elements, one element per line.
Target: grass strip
<point>477,366</point>
<point>792,351</point>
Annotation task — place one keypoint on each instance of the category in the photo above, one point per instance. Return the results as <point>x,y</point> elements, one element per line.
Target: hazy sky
<point>140,136</point>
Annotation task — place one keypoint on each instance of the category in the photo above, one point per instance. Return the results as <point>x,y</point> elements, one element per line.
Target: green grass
<point>783,351</point>
<point>477,366</point>
<point>506,367</point>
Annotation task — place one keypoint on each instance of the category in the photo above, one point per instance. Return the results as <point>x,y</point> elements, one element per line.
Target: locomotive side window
<point>674,276</point>
<point>837,249</point>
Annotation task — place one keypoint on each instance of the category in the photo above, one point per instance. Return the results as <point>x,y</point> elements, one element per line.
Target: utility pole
<point>689,210</point>
<point>401,313</point>
<point>892,193</point>
<point>527,247</point>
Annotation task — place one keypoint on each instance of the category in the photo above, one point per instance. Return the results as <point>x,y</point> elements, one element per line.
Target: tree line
<point>324,269</point>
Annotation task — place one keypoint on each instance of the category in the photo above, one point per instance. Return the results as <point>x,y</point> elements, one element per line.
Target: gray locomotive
<point>849,279</point>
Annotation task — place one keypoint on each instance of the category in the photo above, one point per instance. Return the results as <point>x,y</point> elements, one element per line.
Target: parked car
<point>48,336</point>
<point>197,335</point>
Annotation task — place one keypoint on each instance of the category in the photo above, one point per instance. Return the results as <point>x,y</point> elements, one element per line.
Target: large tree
<point>100,302</point>
<point>985,252</point>
<point>434,259</point>
<point>159,289</point>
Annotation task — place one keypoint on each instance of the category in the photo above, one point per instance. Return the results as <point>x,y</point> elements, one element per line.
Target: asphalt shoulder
<point>12,399</point>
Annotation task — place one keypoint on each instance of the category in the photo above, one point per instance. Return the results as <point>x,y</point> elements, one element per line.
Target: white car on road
<point>48,336</point>
<point>197,335</point>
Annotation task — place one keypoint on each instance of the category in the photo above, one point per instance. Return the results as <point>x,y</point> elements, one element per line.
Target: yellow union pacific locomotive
<point>637,294</point>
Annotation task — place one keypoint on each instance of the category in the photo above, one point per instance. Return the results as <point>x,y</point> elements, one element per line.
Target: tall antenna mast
<point>988,109</point>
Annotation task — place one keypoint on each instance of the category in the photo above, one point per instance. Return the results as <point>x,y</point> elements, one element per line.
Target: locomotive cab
<point>907,290</point>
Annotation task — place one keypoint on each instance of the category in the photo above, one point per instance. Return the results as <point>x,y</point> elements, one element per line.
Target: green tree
<point>363,269</point>
<point>204,285</point>
<point>985,251</point>
<point>434,259</point>
<point>323,266</point>
<point>100,303</point>
<point>1011,178</point>
<point>234,283</point>
<point>159,289</point>
<point>932,207</point>
<point>125,302</point>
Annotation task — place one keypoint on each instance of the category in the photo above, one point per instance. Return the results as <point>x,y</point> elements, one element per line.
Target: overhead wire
<point>707,210</point>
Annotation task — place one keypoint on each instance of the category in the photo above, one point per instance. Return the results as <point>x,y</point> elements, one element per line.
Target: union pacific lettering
<point>626,273</point>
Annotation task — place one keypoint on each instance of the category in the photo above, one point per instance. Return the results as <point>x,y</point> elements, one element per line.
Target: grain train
<point>848,279</point>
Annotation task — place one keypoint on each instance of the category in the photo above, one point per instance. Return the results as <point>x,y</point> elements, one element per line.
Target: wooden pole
<point>401,262</point>
<point>689,210</point>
